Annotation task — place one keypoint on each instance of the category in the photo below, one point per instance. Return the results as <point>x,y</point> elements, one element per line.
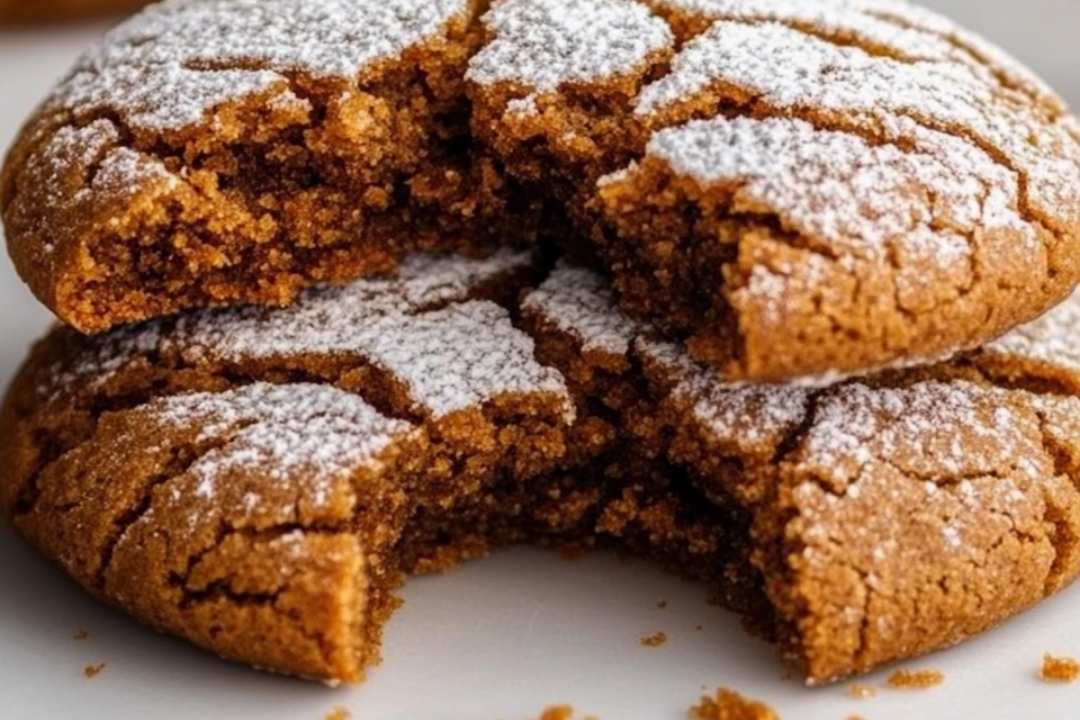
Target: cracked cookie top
<point>800,187</point>
<point>210,152</point>
<point>241,476</point>
<point>795,188</point>
<point>888,508</point>
<point>177,61</point>
<point>421,347</point>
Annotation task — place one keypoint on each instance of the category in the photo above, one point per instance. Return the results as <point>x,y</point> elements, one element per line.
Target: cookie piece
<point>797,188</point>
<point>260,481</point>
<point>887,517</point>
<point>215,151</point>
<point>243,478</point>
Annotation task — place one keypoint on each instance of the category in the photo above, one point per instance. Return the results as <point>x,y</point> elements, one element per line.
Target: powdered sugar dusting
<point>580,302</point>
<point>847,19</point>
<point>169,65</point>
<point>859,198</point>
<point>1053,339</point>
<point>929,430</point>
<point>451,358</point>
<point>310,434</point>
<point>746,417</point>
<point>65,161</point>
<point>542,44</point>
<point>791,70</point>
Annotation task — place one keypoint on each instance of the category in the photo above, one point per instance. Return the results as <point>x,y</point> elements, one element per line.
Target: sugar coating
<point>791,70</point>
<point>741,416</point>
<point>542,44</point>
<point>449,358</point>
<point>859,198</point>
<point>580,302</point>
<point>931,429</point>
<point>855,425</point>
<point>891,27</point>
<point>1052,339</point>
<point>314,434</point>
<point>172,63</point>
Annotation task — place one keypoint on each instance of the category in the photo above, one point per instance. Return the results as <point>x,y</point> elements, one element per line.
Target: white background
<point>502,638</point>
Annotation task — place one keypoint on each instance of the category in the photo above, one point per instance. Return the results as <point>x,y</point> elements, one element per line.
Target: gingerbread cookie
<point>243,479</point>
<point>259,481</point>
<point>885,518</point>
<point>799,188</point>
<point>215,151</point>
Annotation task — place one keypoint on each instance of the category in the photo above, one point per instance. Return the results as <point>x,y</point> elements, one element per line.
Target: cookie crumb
<point>858,691</point>
<point>699,628</point>
<point>657,639</point>
<point>1059,669</point>
<point>92,671</point>
<point>915,679</point>
<point>557,712</point>
<point>729,705</point>
<point>81,635</point>
<point>339,713</point>
<point>662,604</point>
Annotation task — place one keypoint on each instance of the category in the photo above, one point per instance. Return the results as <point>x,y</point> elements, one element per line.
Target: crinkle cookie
<point>882,518</point>
<point>215,151</point>
<point>244,478</point>
<point>799,188</point>
<point>259,481</point>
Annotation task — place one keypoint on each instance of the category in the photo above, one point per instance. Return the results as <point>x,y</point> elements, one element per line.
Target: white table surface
<point>502,638</point>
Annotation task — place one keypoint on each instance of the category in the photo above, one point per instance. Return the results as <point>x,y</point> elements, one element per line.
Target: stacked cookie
<point>777,292</point>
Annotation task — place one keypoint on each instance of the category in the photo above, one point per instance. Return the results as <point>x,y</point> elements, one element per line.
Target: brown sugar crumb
<point>1059,669</point>
<point>729,705</point>
<point>861,692</point>
<point>92,671</point>
<point>557,712</point>
<point>655,640</point>
<point>81,635</point>
<point>915,679</point>
<point>339,713</point>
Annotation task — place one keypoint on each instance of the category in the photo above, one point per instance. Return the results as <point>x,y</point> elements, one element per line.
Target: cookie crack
<point>181,461</point>
<point>1053,110</point>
